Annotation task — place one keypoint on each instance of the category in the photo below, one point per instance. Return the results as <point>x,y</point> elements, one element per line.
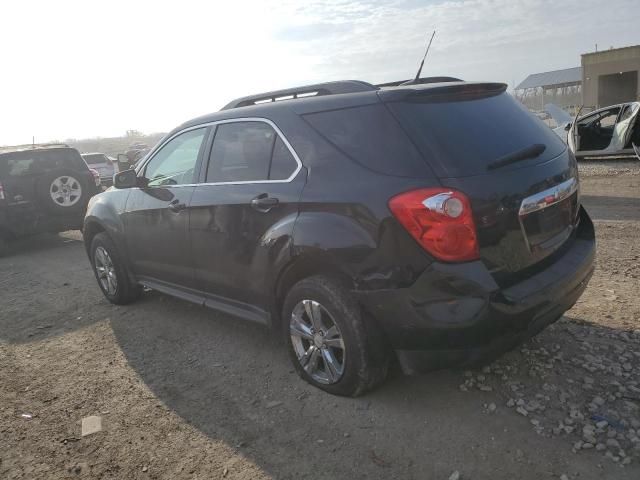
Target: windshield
<point>461,138</point>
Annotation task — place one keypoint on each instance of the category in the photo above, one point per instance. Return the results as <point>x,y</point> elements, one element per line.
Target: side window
<point>248,151</point>
<point>175,163</point>
<point>282,163</point>
<point>370,136</point>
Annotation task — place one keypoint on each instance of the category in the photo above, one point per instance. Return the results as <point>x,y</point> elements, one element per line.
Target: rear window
<point>33,162</point>
<point>370,136</point>
<point>460,138</point>
<point>93,159</point>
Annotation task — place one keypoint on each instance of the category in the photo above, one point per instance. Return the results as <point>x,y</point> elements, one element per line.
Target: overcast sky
<point>97,68</point>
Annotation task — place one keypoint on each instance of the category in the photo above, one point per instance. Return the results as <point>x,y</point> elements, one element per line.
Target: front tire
<point>111,272</point>
<point>330,344</point>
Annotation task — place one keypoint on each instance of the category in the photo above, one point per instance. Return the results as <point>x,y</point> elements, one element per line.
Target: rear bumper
<point>457,314</point>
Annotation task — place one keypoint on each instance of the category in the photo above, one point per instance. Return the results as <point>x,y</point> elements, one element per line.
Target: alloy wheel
<point>106,271</point>
<point>317,342</point>
<point>65,191</point>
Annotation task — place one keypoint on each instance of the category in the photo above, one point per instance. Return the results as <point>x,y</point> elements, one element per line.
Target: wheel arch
<point>301,267</point>
<point>91,228</point>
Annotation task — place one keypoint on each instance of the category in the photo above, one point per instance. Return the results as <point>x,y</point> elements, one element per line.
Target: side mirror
<point>126,179</point>
<point>567,127</point>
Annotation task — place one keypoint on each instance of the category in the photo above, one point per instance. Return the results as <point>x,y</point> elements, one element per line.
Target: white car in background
<point>612,131</point>
<point>103,164</point>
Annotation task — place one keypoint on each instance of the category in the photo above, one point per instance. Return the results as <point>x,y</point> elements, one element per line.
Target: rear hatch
<point>521,179</point>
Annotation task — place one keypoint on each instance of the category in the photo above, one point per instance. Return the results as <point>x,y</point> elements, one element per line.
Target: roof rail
<point>328,88</point>
<point>419,81</point>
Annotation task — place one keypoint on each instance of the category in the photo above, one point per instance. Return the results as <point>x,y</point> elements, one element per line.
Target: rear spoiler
<point>442,92</point>
<point>420,81</point>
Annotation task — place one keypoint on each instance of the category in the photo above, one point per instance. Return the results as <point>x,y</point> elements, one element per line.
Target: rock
<point>273,404</point>
<point>564,477</point>
<point>598,401</point>
<point>522,411</point>
<point>91,425</point>
<point>455,475</point>
<point>613,443</point>
<point>484,388</point>
<point>600,447</point>
<point>511,403</point>
<point>491,407</point>
<point>602,424</point>
<point>145,469</point>
<point>587,445</point>
<point>535,422</point>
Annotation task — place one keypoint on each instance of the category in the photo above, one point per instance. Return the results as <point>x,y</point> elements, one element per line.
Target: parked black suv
<point>43,188</point>
<point>439,222</point>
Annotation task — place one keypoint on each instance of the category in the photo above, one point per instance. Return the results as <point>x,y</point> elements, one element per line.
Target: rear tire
<point>111,272</point>
<point>342,353</point>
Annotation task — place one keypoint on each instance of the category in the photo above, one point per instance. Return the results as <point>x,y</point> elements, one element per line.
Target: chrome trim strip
<point>219,122</point>
<point>548,197</point>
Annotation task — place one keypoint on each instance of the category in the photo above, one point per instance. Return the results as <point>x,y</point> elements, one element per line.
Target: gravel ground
<point>184,392</point>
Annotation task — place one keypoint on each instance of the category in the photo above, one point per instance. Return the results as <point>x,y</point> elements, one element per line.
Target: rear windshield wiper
<point>531,151</point>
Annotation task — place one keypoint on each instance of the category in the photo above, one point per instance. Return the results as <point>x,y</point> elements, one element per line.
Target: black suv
<point>435,223</point>
<point>43,188</point>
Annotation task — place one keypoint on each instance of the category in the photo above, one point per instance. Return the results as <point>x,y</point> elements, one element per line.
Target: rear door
<point>242,216</point>
<point>156,217</point>
<point>477,141</point>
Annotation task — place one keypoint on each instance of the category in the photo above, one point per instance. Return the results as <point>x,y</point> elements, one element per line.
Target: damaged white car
<point>608,132</point>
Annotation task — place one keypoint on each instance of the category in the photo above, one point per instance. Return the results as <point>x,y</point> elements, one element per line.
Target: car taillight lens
<point>96,176</point>
<point>440,220</point>
<point>1,192</point>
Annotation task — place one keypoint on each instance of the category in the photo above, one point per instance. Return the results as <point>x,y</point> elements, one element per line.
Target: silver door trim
<point>219,122</point>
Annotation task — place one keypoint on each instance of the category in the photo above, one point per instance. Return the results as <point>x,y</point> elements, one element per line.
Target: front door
<point>242,216</point>
<point>156,218</point>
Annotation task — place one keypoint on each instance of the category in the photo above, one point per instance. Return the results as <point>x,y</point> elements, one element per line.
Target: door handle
<point>176,206</point>
<point>264,203</point>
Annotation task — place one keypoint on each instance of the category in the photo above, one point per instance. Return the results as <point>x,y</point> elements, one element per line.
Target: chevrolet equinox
<point>435,222</point>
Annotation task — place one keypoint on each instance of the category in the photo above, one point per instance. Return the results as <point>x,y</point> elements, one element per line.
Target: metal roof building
<point>554,79</point>
<point>562,87</point>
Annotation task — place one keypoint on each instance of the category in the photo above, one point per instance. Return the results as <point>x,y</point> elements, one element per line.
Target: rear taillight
<point>96,176</point>
<point>440,220</point>
<point>1,192</point>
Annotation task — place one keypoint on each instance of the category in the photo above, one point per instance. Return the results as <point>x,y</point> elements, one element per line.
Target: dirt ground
<point>185,392</point>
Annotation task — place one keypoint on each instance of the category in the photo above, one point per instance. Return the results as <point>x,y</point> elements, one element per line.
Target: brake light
<point>1,192</point>
<point>96,176</point>
<point>440,220</point>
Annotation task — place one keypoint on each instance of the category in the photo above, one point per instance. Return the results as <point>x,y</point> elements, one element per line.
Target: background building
<point>561,87</point>
<point>605,78</point>
<point>610,76</point>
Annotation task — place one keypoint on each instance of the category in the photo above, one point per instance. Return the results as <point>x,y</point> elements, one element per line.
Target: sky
<point>83,69</point>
